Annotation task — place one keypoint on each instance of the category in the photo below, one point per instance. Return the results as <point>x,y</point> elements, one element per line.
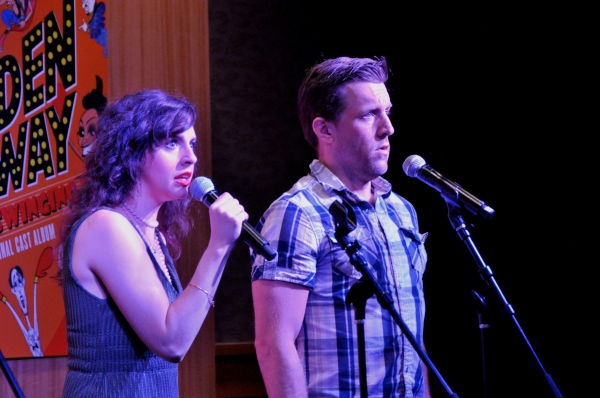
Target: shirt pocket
<point>414,243</point>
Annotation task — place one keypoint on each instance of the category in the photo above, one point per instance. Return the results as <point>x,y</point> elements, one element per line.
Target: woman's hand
<point>226,218</point>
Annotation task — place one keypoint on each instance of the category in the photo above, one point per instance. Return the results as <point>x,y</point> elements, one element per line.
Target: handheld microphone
<point>415,166</point>
<point>203,189</point>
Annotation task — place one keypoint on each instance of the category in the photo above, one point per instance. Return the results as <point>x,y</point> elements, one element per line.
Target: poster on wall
<point>53,79</point>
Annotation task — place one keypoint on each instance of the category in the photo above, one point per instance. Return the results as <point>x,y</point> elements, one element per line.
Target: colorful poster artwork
<point>53,75</point>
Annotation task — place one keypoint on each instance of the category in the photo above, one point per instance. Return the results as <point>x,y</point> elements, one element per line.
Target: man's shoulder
<point>306,199</point>
<point>307,192</point>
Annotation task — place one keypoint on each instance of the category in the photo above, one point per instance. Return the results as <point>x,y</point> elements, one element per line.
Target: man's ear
<point>322,129</point>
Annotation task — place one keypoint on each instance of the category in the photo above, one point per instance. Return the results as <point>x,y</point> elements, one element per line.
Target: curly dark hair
<point>319,93</point>
<point>127,129</point>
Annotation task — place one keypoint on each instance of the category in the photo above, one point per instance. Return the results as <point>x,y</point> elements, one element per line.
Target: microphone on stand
<point>415,166</point>
<point>203,189</point>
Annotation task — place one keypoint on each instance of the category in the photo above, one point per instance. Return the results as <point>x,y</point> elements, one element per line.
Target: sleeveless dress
<point>106,358</point>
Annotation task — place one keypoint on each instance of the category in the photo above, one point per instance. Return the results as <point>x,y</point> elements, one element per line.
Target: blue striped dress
<point>106,358</point>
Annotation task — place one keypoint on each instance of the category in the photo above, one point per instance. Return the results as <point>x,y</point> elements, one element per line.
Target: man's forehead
<point>366,92</point>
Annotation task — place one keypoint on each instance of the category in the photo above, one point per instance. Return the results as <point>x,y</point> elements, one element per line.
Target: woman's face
<point>168,169</point>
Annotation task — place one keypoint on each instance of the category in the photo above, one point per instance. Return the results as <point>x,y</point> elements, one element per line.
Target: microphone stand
<point>485,272</point>
<point>481,311</point>
<point>10,377</point>
<point>345,225</point>
<point>358,295</point>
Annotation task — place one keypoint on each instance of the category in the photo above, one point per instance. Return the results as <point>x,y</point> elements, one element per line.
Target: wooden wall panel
<point>153,44</point>
<point>158,44</point>
<point>36,377</point>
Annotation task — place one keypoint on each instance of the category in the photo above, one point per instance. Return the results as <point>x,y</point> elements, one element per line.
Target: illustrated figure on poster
<point>96,26</point>
<point>16,280</point>
<point>94,103</point>
<point>17,17</point>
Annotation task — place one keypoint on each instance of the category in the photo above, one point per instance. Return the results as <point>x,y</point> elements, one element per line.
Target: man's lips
<point>385,149</point>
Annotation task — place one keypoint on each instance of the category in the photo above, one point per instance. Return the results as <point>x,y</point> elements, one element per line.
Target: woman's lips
<point>184,179</point>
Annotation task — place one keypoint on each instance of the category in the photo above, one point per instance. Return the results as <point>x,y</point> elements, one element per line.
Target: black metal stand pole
<point>357,296</point>
<point>485,272</point>
<point>481,311</point>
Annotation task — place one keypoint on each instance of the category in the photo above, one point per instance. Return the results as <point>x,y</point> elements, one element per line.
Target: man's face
<point>18,289</point>
<point>88,6</point>
<point>361,145</point>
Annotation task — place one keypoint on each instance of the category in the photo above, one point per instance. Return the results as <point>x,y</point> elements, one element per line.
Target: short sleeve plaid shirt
<point>301,229</point>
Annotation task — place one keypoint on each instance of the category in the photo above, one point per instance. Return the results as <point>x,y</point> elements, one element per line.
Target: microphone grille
<point>412,165</point>
<point>200,187</point>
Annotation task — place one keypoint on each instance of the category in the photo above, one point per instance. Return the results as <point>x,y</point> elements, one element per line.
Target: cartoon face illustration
<point>17,287</point>
<point>11,4</point>
<point>87,130</point>
<point>88,6</point>
<point>94,103</point>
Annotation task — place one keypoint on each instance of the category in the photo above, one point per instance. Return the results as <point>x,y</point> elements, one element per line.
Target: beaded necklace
<point>135,215</point>
<point>156,251</point>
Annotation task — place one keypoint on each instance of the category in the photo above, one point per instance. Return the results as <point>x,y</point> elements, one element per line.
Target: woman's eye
<point>171,143</point>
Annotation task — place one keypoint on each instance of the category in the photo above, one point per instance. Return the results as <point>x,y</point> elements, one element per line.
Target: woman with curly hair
<point>129,320</point>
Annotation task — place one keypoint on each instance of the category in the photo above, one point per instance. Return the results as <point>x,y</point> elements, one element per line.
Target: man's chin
<point>381,167</point>
<point>377,172</point>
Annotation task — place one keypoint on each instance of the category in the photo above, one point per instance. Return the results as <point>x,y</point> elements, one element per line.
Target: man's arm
<point>279,309</point>
<point>425,371</point>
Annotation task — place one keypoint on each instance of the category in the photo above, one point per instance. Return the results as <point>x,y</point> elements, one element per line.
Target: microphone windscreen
<point>200,187</point>
<point>412,165</point>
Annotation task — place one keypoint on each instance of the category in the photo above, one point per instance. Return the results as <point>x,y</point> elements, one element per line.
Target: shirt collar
<point>324,176</point>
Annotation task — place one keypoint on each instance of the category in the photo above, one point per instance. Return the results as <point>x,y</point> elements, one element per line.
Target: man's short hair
<point>320,92</point>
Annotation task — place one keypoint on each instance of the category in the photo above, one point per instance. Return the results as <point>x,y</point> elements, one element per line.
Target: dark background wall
<point>495,97</point>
